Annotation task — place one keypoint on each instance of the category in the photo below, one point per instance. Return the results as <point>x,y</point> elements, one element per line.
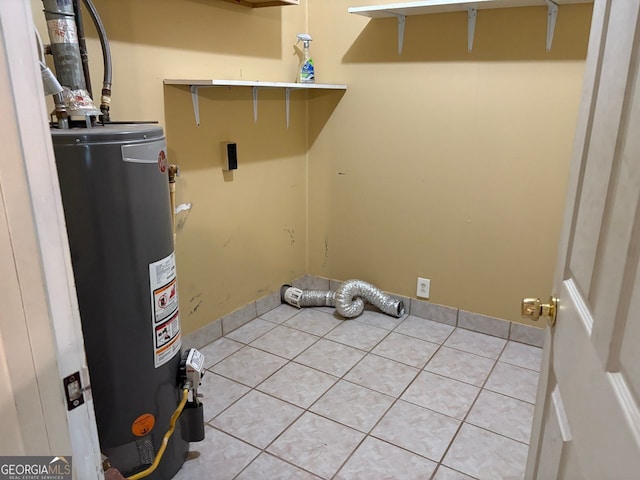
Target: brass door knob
<point>533,309</point>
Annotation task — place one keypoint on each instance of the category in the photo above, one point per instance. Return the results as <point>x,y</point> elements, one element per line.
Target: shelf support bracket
<point>196,104</point>
<point>287,101</point>
<point>552,15</point>
<point>401,21</point>
<point>472,13</point>
<point>255,104</point>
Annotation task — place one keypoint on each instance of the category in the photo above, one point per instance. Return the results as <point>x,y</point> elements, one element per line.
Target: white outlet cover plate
<point>423,287</point>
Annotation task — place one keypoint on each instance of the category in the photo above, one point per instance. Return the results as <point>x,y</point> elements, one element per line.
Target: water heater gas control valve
<point>192,368</point>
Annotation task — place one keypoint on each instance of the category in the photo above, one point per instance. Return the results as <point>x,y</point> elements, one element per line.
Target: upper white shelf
<point>250,83</point>
<point>425,7</point>
<point>254,85</point>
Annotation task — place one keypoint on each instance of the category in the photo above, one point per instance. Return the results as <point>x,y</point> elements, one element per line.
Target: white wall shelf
<point>195,85</point>
<point>264,3</point>
<point>404,9</point>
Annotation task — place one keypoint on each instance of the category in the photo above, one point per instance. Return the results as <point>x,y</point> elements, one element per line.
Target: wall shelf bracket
<point>196,104</point>
<point>254,92</point>
<point>402,19</point>
<point>287,103</point>
<point>552,15</point>
<point>472,13</point>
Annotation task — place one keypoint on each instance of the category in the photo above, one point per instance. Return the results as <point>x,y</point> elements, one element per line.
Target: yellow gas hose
<point>165,440</point>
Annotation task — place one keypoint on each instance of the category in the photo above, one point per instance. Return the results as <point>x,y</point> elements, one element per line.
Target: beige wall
<point>436,163</point>
<point>441,163</point>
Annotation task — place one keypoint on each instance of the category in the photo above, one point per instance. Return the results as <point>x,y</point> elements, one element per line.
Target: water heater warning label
<point>167,332</point>
<point>165,317</point>
<point>165,301</point>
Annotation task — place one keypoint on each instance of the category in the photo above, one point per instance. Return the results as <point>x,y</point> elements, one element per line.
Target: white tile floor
<point>301,394</point>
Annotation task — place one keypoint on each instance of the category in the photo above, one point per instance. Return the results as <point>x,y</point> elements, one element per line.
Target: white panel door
<point>587,421</point>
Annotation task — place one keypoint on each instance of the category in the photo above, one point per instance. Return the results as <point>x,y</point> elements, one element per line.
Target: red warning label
<point>165,301</point>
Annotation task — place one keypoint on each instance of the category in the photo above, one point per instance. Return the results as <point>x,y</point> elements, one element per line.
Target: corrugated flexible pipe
<point>349,299</point>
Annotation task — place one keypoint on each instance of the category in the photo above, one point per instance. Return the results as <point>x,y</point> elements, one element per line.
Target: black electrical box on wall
<point>230,157</point>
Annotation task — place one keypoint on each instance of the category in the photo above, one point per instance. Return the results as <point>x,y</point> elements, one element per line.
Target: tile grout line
<point>462,422</point>
<point>342,378</point>
<point>264,450</point>
<point>357,363</point>
<point>254,387</point>
<point>421,370</point>
<point>261,450</point>
<point>451,468</point>
<point>391,406</point>
<point>307,409</point>
<point>368,434</point>
<point>251,387</point>
<point>304,410</point>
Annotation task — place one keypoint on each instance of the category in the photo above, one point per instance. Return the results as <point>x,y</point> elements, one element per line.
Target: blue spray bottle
<point>307,69</point>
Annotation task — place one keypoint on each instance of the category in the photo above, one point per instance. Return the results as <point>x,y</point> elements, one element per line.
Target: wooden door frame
<point>40,331</point>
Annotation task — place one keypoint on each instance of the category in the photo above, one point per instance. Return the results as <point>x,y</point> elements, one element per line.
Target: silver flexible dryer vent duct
<point>348,299</point>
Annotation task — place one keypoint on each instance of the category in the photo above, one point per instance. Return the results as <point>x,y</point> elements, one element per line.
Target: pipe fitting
<point>174,171</point>
<point>61,112</point>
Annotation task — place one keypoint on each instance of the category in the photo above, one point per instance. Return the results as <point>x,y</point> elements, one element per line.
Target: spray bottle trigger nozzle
<point>305,37</point>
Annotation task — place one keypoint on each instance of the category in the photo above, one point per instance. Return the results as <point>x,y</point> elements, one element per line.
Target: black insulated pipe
<point>82,42</point>
<point>105,100</point>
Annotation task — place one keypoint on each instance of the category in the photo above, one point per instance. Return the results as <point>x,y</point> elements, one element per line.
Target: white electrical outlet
<point>424,285</point>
